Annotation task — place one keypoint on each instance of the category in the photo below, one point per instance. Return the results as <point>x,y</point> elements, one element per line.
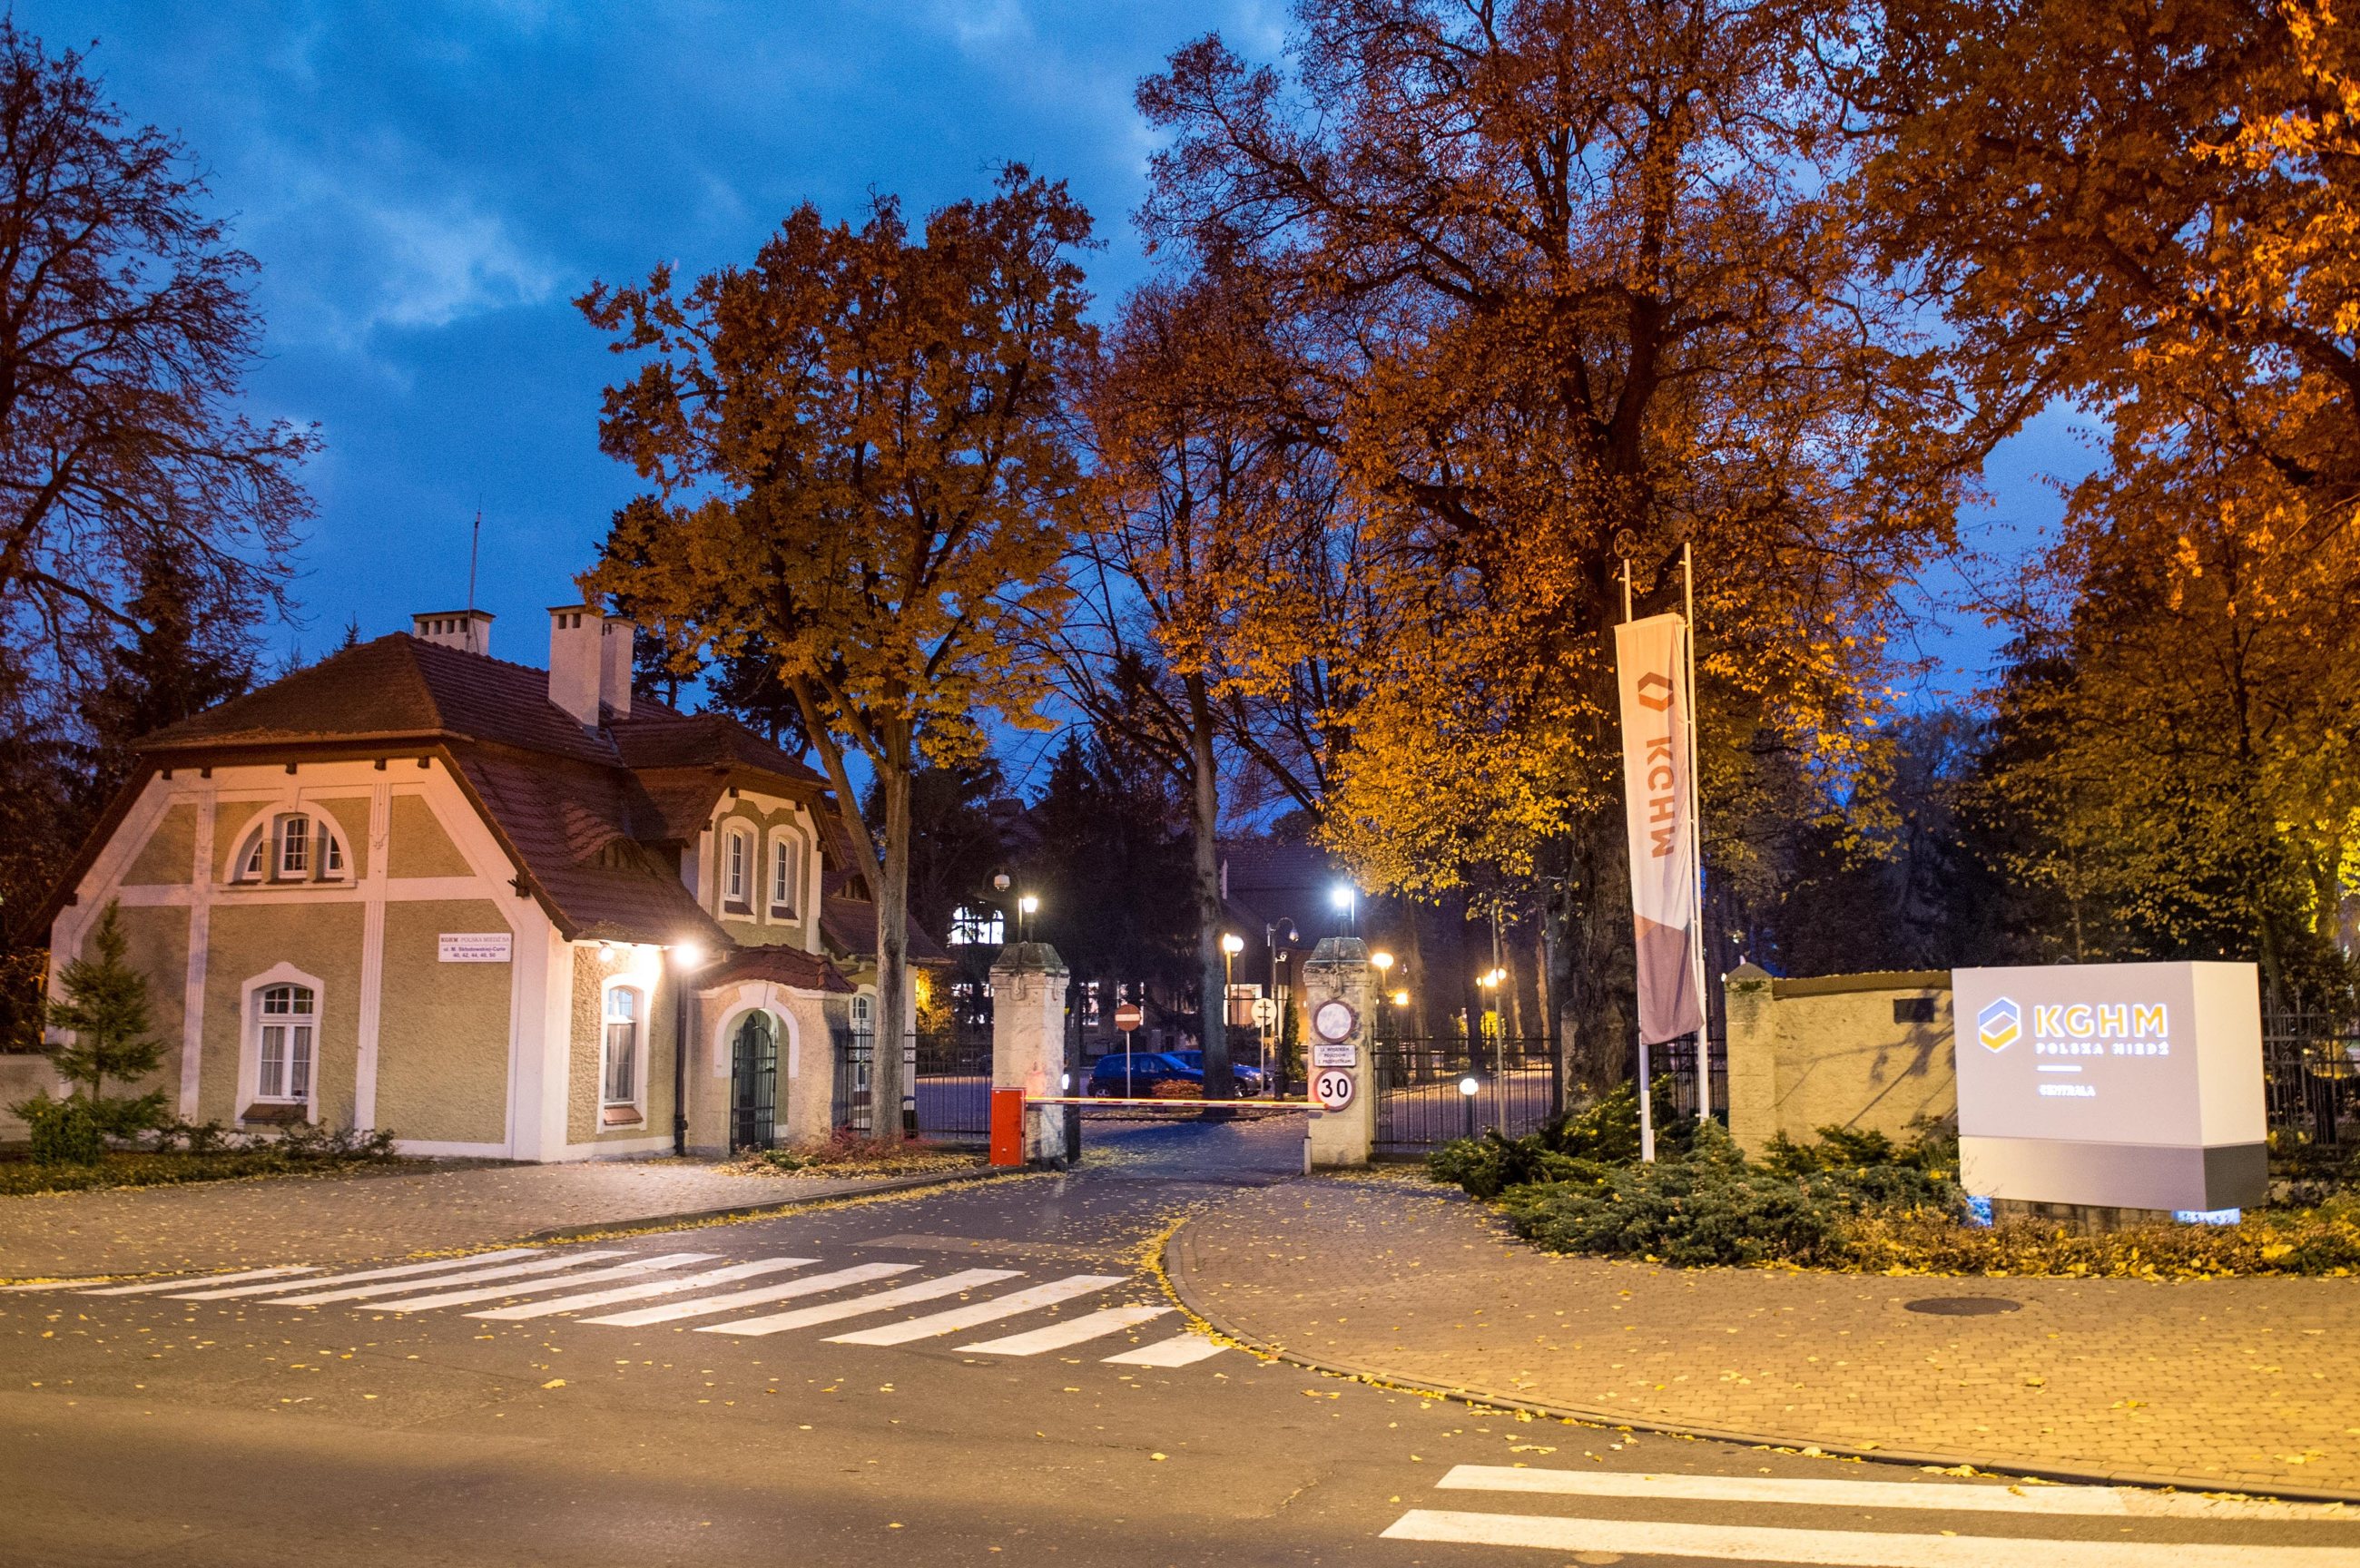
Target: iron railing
<point>1421,1101</point>
<point>946,1084</point>
<point>2310,1075</point>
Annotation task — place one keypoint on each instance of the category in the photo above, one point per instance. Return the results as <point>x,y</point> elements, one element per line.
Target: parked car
<point>1147,1069</point>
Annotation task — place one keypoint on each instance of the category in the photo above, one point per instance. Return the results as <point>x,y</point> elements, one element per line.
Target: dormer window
<point>786,863</point>
<point>292,846</point>
<point>738,871</point>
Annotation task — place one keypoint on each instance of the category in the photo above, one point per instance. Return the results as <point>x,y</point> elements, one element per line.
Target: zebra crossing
<point>1778,1525</point>
<point>641,1290</point>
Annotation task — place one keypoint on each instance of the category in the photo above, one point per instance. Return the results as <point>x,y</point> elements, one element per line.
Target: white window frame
<point>299,1043</point>
<point>251,1023</point>
<point>638,1103</point>
<point>321,858</point>
<point>738,870</point>
<point>788,855</point>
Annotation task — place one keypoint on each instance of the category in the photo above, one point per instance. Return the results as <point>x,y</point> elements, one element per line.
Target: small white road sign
<point>1334,1088</point>
<point>1265,1012</point>
<point>1335,1056</point>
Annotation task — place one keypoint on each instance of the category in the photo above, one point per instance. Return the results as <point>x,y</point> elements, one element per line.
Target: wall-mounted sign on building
<point>2124,1085</point>
<point>472,947</point>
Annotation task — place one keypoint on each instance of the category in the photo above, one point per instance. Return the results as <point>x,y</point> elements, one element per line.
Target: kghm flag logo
<point>1999,1025</point>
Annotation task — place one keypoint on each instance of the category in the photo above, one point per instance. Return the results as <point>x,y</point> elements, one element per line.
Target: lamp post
<point>1270,934</point>
<point>1343,897</point>
<point>1025,907</point>
<point>1382,962</point>
<point>686,956</point>
<point>1467,1088</point>
<point>1490,981</point>
<point>1231,945</point>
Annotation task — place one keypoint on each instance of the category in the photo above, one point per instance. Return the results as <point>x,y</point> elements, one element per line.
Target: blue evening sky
<point>427,185</point>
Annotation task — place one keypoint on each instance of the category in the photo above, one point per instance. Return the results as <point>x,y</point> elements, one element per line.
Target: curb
<point>642,1223</point>
<point>1179,1275</point>
<point>762,1211</point>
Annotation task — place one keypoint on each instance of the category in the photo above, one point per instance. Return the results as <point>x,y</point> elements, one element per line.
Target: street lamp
<point>1383,962</point>
<point>1343,898</point>
<point>1467,1089</point>
<point>1231,945</point>
<point>686,956</point>
<point>1025,907</point>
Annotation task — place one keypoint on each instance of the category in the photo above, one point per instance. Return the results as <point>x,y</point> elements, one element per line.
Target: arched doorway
<point>753,1083</point>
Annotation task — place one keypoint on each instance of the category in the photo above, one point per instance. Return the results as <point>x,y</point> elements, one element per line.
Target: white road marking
<point>442,1265</point>
<point>55,1284</point>
<point>640,1292</point>
<point>1180,1350</point>
<point>279,1273</point>
<point>1839,1548</point>
<point>544,1264</point>
<point>2121,1502</point>
<point>1073,1331</point>
<point>975,1312</point>
<point>923,1291</point>
<point>860,1274</point>
<point>636,1266</point>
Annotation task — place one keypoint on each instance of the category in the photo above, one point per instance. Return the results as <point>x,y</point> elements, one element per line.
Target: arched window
<point>738,871</point>
<point>786,874</point>
<point>975,926</point>
<point>291,846</point>
<point>620,1074</point>
<point>287,1023</point>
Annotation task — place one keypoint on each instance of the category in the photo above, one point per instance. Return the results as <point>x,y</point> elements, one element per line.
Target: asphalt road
<point>398,1428</point>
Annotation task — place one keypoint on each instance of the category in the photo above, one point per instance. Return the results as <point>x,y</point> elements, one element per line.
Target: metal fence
<point>2310,1075</point>
<point>946,1084</point>
<point>1422,1090</point>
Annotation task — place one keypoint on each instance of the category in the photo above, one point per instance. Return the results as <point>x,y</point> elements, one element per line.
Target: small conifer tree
<point>106,1009</point>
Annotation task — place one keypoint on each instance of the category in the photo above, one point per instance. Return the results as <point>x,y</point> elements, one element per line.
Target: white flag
<point>1651,670</point>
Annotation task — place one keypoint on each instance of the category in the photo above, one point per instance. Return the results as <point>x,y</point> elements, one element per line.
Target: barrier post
<point>1008,1126</point>
<point>1336,1006</point>
<point>1028,1044</point>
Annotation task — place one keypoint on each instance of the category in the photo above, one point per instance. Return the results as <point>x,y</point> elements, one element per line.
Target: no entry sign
<point>1127,1018</point>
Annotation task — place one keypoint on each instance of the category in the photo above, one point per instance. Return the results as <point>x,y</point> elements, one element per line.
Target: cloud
<point>344,258</point>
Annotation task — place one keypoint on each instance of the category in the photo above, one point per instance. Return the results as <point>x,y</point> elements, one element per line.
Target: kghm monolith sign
<point>2118,1086</point>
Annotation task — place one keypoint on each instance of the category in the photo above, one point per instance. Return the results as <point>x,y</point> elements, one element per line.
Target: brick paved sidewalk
<point>2234,1383</point>
<point>365,1216</point>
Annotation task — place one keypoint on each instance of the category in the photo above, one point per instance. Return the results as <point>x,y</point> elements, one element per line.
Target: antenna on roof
<point>475,542</point>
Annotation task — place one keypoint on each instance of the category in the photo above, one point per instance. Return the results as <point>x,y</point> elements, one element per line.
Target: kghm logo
<point>1999,1025</point>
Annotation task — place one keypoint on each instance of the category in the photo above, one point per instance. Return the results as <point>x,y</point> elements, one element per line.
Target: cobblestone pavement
<point>2231,1384</point>
<point>363,1217</point>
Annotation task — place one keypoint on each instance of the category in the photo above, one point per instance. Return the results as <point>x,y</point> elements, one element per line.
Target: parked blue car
<point>1148,1068</point>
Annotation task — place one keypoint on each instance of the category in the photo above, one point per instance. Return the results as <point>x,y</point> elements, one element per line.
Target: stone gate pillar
<point>1028,1038</point>
<point>1338,972</point>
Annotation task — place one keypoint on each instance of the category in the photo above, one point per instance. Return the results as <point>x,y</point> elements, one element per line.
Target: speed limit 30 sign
<point>1333,1088</point>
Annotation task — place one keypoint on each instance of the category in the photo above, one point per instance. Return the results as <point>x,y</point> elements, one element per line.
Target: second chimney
<point>590,663</point>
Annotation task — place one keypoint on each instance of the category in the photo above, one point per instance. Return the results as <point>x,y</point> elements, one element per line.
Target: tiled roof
<point>851,925</point>
<point>398,687</point>
<point>782,965</point>
<point>654,736</point>
<point>566,822</point>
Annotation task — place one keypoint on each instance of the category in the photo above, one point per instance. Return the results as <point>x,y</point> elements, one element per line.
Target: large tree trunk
<point>1601,968</point>
<point>1205,822</point>
<point>893,951</point>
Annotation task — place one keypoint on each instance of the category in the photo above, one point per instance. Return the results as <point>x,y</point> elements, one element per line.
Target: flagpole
<point>1696,827</point>
<point>1646,1090</point>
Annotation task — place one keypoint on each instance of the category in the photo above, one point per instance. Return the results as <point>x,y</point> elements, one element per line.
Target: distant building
<point>415,887</point>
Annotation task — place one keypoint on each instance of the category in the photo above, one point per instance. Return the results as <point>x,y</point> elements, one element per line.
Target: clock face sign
<point>1334,1088</point>
<point>1335,1020</point>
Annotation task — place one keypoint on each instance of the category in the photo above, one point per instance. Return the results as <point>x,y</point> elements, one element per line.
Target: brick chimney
<point>590,663</point>
<point>470,631</point>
